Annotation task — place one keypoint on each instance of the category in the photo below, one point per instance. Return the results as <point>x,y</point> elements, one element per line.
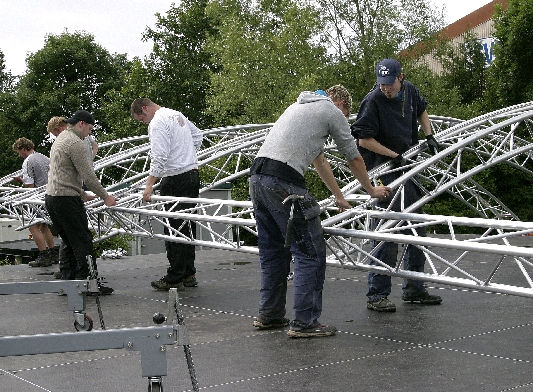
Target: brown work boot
<point>190,281</point>
<point>163,285</point>
<point>42,260</point>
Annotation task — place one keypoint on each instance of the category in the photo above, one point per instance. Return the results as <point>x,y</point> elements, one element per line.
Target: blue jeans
<point>379,286</point>
<point>181,257</point>
<point>308,250</point>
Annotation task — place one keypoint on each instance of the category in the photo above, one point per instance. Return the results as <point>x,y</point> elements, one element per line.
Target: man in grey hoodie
<point>287,216</point>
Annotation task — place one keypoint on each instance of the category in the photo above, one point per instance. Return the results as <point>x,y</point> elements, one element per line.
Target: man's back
<point>299,134</point>
<point>37,166</point>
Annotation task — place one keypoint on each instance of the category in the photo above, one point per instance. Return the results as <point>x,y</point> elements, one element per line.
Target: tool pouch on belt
<point>309,206</point>
<point>309,209</point>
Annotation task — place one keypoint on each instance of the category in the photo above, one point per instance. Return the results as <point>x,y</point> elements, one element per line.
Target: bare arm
<point>323,169</point>
<point>94,147</point>
<point>150,181</point>
<point>358,169</point>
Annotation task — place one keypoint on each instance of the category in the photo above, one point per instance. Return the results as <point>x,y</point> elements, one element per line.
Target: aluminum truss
<point>503,137</point>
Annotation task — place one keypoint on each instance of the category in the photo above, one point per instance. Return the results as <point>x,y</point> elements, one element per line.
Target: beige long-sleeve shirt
<point>70,167</point>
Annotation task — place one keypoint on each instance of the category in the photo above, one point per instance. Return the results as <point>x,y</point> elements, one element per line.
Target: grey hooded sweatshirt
<point>299,134</point>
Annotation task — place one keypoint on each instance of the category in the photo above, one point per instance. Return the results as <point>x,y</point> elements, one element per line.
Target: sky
<point>117,25</point>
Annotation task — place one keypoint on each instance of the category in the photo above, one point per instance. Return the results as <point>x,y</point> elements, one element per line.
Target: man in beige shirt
<point>70,168</point>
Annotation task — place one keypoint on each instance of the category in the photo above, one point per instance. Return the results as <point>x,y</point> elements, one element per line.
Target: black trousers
<point>181,256</point>
<point>69,218</point>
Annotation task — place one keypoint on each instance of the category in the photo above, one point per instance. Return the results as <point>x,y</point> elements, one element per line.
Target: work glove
<point>432,144</point>
<point>399,161</point>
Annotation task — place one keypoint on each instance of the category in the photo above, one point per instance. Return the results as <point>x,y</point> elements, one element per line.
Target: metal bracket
<point>74,289</point>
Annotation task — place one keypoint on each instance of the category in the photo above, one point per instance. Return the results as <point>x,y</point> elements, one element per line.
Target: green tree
<point>7,80</point>
<point>267,54</point>
<point>180,66</point>
<point>465,69</point>
<point>117,102</point>
<point>7,124</point>
<point>511,79</point>
<point>362,32</point>
<point>510,82</point>
<point>70,72</point>
<point>459,90</point>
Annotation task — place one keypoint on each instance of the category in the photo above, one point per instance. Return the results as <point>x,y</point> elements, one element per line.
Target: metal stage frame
<point>493,259</point>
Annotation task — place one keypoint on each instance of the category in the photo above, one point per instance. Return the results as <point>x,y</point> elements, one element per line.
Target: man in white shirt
<point>174,141</point>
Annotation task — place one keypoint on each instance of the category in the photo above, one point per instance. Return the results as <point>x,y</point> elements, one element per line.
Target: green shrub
<point>113,243</point>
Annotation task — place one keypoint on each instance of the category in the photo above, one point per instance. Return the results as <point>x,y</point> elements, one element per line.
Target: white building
<point>479,23</point>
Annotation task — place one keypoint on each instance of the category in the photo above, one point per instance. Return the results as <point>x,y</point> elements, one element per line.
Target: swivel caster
<point>155,384</point>
<point>87,323</point>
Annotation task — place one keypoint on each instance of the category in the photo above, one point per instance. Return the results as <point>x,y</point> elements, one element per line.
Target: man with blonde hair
<point>341,97</point>
<point>56,125</point>
<point>279,196</point>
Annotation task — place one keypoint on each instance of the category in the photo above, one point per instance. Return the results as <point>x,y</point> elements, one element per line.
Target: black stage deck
<point>474,341</point>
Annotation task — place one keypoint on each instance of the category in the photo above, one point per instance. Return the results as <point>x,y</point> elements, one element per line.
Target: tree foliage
<point>70,72</point>
<point>266,54</point>
<point>180,66</point>
<point>7,81</point>
<point>510,74</point>
<point>359,33</point>
<point>117,102</point>
<point>228,62</point>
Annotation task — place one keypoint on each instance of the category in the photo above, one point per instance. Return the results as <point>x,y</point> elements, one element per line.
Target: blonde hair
<point>54,123</point>
<point>340,93</point>
<point>23,143</point>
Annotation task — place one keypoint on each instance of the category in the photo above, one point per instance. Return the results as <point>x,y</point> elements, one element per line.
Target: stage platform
<point>474,341</point>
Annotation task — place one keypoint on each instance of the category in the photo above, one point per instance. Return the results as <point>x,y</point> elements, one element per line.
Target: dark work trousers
<point>69,217</point>
<point>181,256</point>
<point>308,249</point>
<point>379,286</point>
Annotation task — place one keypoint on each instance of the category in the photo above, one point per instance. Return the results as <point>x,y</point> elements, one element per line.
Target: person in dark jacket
<point>386,127</point>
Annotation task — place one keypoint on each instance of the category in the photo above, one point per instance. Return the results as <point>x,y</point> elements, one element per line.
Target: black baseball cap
<point>81,115</point>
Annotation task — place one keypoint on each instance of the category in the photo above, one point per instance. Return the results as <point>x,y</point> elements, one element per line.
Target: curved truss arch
<point>469,147</point>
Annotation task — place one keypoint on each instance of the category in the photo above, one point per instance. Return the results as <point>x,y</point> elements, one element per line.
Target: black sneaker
<point>102,290</point>
<point>190,281</point>
<point>276,323</point>
<point>163,285</point>
<point>312,332</point>
<point>423,298</point>
<point>381,305</point>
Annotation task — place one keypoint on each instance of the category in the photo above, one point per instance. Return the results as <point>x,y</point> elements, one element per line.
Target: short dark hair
<point>137,105</point>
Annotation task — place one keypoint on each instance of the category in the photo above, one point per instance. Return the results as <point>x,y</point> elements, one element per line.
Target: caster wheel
<point>155,386</point>
<point>87,325</point>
